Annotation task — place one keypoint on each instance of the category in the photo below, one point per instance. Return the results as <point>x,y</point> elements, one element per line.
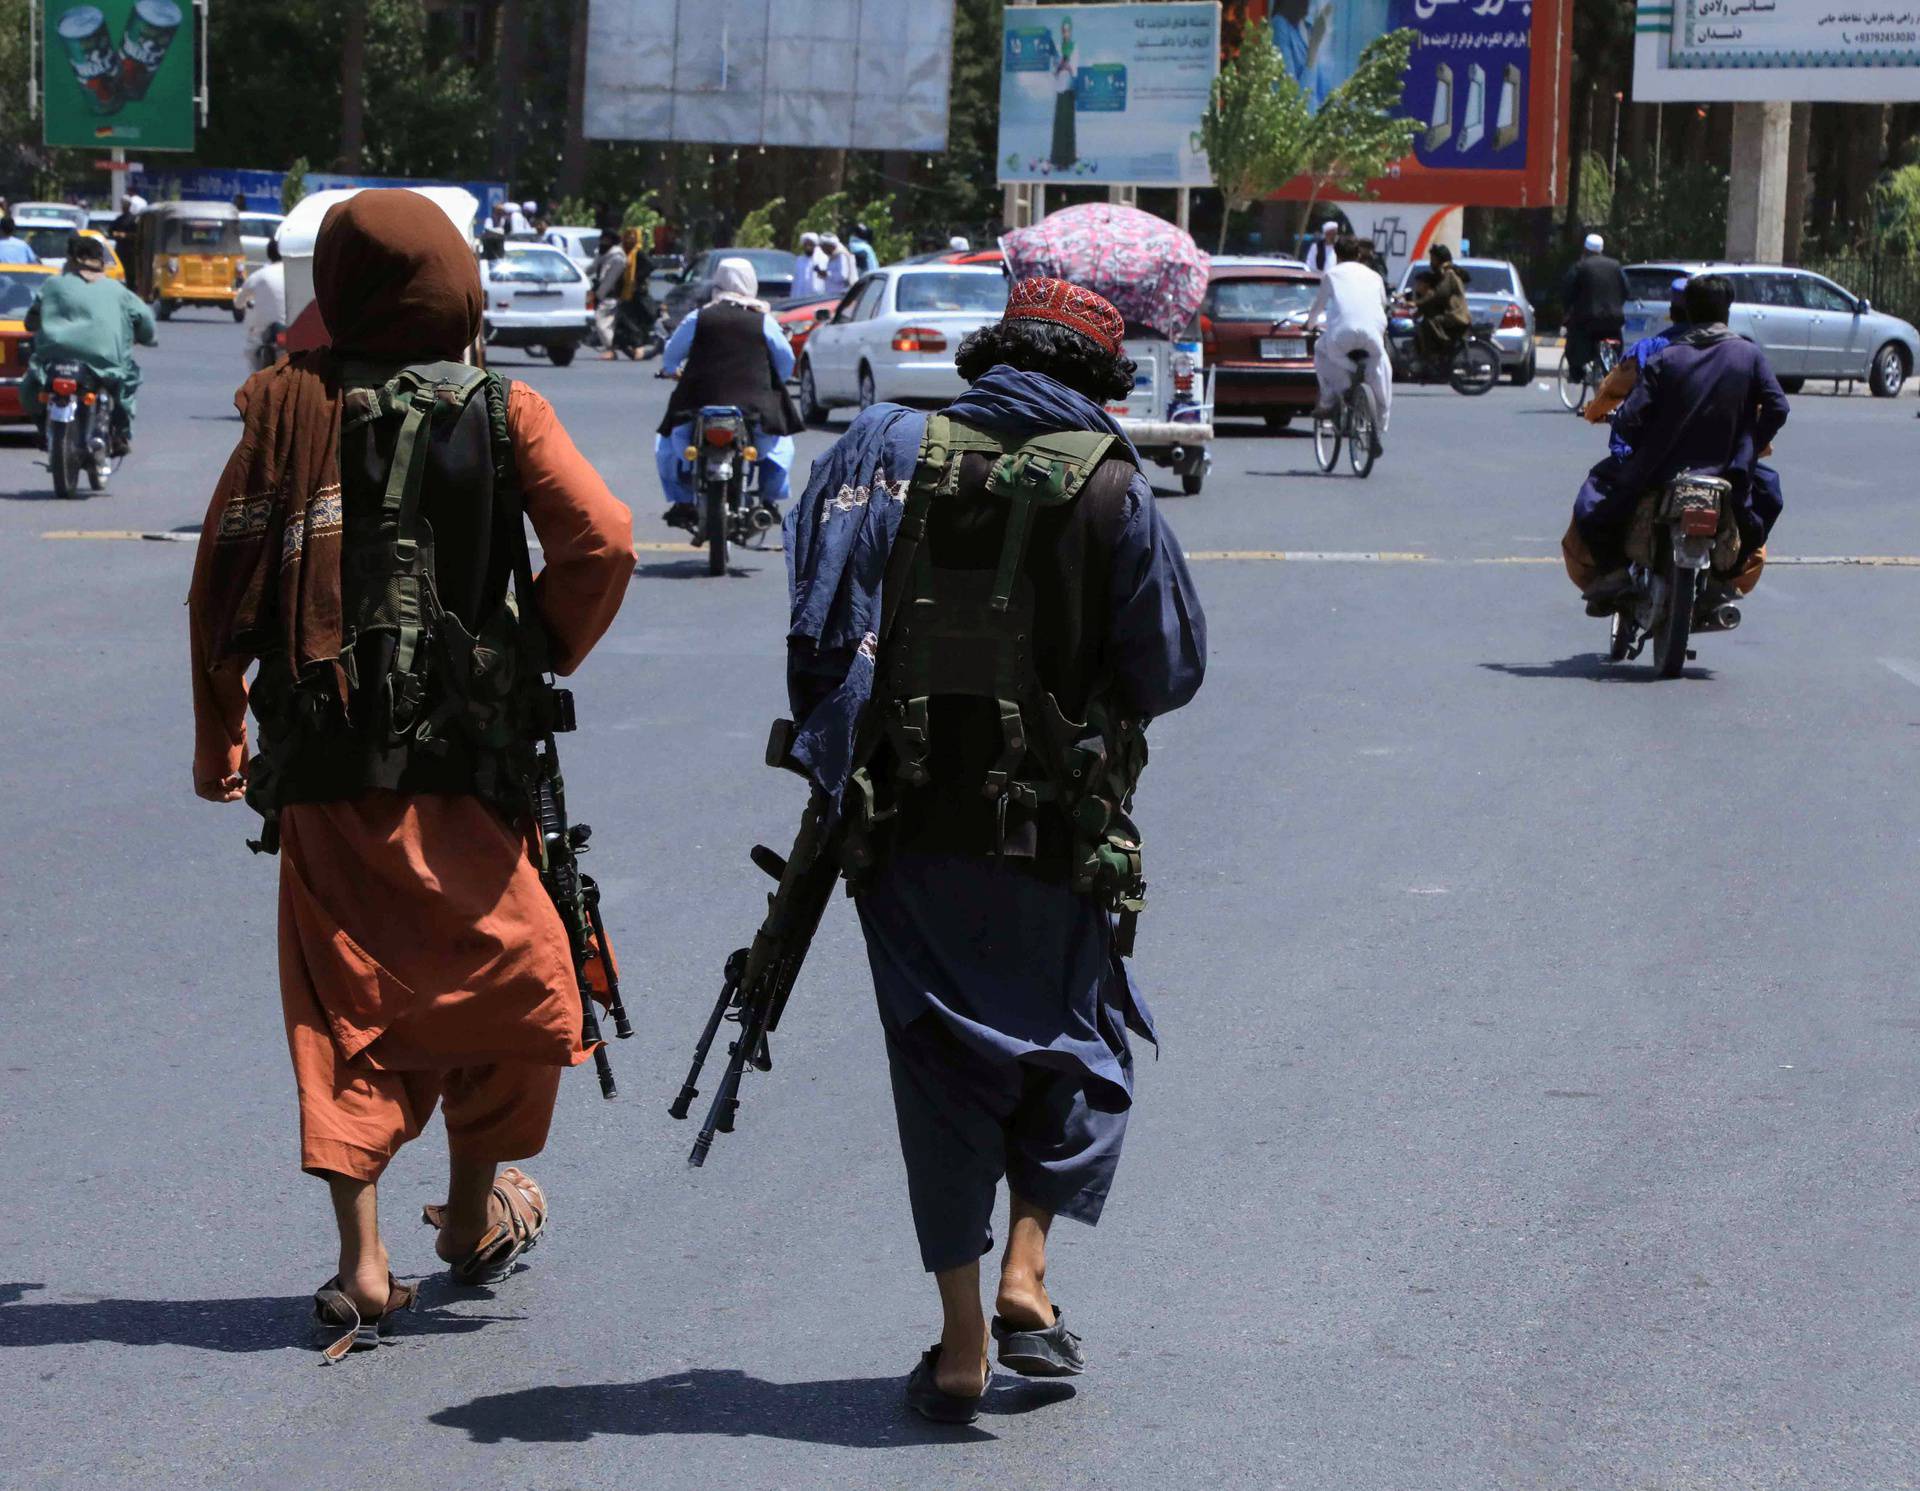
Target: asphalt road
<point>1536,1110</point>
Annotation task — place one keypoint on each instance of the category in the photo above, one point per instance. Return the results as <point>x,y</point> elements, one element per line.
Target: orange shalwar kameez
<point>421,960</point>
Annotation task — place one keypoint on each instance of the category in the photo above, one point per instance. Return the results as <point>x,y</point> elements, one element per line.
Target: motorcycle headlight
<point>173,265</point>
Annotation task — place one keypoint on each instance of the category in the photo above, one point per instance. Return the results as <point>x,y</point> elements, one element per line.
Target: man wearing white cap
<point>1594,297</point>
<point>1320,253</point>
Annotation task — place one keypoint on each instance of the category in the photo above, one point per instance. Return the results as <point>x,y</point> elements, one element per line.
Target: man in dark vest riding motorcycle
<point>729,352</point>
<point>987,611</point>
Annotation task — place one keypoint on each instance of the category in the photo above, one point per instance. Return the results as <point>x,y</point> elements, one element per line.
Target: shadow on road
<point>853,1412</point>
<point>691,569</point>
<point>1591,666</point>
<point>260,1323</point>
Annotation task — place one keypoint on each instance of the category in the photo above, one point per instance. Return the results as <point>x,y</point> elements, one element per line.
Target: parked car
<point>19,287</point>
<point>799,314</point>
<point>582,245</point>
<point>1496,297</point>
<point>256,232</point>
<point>1808,326</point>
<point>1258,261</point>
<point>1253,332</point>
<point>693,286</point>
<point>894,336</point>
<point>536,297</point>
<point>49,239</point>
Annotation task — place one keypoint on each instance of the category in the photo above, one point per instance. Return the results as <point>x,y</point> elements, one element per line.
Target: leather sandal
<point>523,1217</point>
<point>340,1329</point>
<point>927,1398</point>
<point>1053,1352</point>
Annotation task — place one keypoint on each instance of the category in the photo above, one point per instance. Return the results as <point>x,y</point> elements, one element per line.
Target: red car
<point>799,314</point>
<point>1253,326</point>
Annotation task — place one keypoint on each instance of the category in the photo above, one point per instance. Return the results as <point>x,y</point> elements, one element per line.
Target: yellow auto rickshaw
<point>188,253</point>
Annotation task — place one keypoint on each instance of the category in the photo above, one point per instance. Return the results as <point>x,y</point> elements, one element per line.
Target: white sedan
<point>536,297</point>
<point>894,336</point>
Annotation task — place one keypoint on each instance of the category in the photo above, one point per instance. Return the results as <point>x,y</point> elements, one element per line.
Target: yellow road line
<point>1265,556</point>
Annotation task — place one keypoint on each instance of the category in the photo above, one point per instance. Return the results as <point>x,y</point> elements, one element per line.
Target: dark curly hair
<point>1060,352</point>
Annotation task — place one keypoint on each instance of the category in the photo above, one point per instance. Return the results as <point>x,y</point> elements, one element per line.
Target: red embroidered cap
<point>1068,305</point>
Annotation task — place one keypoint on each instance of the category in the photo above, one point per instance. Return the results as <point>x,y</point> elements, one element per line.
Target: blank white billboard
<point>852,74</point>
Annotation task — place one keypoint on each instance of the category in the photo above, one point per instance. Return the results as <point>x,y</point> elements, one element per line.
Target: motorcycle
<point>726,481</point>
<point>79,426</point>
<point>1472,370</point>
<point>1675,537</point>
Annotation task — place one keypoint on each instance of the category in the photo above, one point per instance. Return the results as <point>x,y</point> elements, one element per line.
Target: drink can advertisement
<point>120,73</point>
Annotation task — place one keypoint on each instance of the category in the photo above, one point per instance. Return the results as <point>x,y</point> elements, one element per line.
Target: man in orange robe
<point>421,960</point>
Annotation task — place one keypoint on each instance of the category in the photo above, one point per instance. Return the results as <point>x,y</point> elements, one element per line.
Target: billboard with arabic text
<point>1487,85</point>
<point>1839,51</point>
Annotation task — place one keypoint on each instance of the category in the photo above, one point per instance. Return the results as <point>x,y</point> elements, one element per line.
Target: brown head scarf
<point>395,283</point>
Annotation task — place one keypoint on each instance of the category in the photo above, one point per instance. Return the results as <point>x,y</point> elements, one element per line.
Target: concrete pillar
<point>1757,192</point>
<point>1799,180</point>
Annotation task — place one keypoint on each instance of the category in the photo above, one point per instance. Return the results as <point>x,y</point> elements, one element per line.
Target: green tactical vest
<point>970,633</point>
<point>429,705</point>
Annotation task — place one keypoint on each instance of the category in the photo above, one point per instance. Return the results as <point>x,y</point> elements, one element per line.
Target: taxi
<point>19,287</point>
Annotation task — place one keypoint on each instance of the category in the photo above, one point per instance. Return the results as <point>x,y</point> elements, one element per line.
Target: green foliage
<point>1595,193</point>
<point>757,229</point>
<point>834,213</point>
<point>1256,127</point>
<point>1684,216</point>
<point>1897,204</point>
<point>295,186</point>
<point>1358,132</point>
<point>572,212</point>
<point>642,214</point>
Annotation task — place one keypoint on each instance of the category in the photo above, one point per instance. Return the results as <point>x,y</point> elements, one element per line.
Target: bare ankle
<point>1022,1300</point>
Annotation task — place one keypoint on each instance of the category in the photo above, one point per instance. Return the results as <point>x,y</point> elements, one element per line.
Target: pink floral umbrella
<point>1155,275</point>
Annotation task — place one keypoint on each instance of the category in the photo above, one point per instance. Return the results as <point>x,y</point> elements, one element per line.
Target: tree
<point>1357,135</point>
<point>1256,126</point>
<point>757,229</point>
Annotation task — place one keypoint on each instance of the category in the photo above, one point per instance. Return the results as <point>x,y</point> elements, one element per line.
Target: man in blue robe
<point>1002,992</point>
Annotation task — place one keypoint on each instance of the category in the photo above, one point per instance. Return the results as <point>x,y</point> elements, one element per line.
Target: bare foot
<point>1023,1303</point>
<point>455,1241</point>
<point>966,1380</point>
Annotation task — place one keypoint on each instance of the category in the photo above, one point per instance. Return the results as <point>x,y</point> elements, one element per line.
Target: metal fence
<point>1892,284</point>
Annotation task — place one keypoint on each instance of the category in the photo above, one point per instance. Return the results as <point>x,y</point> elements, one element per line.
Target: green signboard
<point>118,73</point>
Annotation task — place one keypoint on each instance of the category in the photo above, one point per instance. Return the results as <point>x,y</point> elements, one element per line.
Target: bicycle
<point>1355,420</point>
<point>1606,357</point>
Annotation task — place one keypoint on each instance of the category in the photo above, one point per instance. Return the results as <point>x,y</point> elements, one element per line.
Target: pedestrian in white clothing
<point>1351,311</point>
<point>263,298</point>
<point>809,267</point>
<point>1320,253</point>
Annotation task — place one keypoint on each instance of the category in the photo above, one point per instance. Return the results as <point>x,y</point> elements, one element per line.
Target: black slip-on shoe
<point>926,1398</point>
<point>1053,1352</point>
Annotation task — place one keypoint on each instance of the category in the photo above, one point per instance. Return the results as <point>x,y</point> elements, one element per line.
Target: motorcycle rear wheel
<point>63,455</point>
<point>716,516</point>
<point>1670,636</point>
<point>1475,369</point>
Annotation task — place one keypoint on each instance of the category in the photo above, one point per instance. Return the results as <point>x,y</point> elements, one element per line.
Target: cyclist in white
<point>1351,311</point>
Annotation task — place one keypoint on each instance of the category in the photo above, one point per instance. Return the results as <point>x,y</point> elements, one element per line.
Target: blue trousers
<point>966,1121</point>
<point>676,476</point>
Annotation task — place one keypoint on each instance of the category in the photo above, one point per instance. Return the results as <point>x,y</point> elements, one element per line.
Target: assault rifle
<point>574,894</point>
<point>758,979</point>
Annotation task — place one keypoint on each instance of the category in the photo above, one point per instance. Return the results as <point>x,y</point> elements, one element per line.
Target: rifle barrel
<point>683,1104</point>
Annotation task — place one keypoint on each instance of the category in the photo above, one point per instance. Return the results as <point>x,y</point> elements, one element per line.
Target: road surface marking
<point>1903,669</point>
<point>1264,556</point>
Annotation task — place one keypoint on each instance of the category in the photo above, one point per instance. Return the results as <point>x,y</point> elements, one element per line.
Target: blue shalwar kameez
<point>776,458</point>
<point>1004,1005</point>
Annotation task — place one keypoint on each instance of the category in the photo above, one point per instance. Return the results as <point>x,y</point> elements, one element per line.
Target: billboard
<point>1700,51</point>
<point>118,73</point>
<point>837,74</point>
<point>1107,93</point>
<point>1487,84</point>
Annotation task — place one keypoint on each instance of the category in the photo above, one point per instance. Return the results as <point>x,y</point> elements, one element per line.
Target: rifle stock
<point>760,978</point>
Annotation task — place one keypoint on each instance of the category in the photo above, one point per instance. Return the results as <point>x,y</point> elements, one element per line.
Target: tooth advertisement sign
<point>118,73</point>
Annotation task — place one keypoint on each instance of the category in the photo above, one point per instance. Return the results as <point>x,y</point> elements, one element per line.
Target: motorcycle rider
<point>1595,294</point>
<point>1442,319</point>
<point>730,351</point>
<point>82,316</point>
<point>1351,310</point>
<point>264,298</point>
<point>1707,402</point>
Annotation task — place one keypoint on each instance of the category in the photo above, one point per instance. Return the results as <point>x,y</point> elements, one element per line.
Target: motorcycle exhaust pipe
<point>763,518</point>
<point>1726,616</point>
